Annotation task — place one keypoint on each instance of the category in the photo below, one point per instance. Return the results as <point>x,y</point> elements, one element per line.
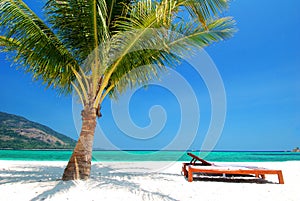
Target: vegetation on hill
<point>19,133</point>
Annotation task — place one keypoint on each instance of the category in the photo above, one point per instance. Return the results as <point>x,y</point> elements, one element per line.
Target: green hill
<point>19,133</point>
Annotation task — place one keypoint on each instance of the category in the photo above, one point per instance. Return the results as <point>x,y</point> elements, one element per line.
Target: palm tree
<point>100,48</point>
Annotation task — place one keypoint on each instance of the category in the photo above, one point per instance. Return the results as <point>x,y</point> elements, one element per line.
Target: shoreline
<point>66,149</point>
<point>40,180</point>
<point>132,156</point>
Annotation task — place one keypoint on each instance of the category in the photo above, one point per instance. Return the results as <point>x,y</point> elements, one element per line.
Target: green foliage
<point>123,35</point>
<point>127,42</point>
<point>33,45</point>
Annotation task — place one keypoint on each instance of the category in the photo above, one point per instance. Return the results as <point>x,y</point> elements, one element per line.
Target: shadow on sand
<point>103,176</point>
<point>230,178</point>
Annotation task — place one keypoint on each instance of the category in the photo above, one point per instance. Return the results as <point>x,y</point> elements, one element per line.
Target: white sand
<point>126,181</point>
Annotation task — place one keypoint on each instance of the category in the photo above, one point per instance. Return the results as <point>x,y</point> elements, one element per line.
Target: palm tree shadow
<point>109,177</point>
<point>30,174</point>
<point>44,175</point>
<point>59,187</point>
<point>121,178</point>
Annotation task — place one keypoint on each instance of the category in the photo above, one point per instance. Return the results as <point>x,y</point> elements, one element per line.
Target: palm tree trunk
<point>79,165</point>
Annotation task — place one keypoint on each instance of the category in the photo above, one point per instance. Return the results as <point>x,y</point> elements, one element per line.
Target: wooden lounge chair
<point>198,165</point>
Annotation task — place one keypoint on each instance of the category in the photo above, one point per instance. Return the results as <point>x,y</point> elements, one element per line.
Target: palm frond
<point>116,9</point>
<point>136,34</point>
<point>195,35</point>
<point>204,10</point>
<point>78,24</point>
<point>165,12</point>
<point>170,47</point>
<point>145,44</point>
<point>125,43</point>
<point>110,45</point>
<point>39,50</point>
<point>8,44</point>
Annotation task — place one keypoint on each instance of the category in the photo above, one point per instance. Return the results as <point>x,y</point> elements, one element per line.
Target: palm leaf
<point>194,35</point>
<point>39,50</point>
<point>204,10</point>
<point>8,44</point>
<point>129,33</point>
<point>160,47</point>
<point>116,9</point>
<point>74,23</point>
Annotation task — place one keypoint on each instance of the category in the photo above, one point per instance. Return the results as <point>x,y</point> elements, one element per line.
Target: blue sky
<point>260,68</point>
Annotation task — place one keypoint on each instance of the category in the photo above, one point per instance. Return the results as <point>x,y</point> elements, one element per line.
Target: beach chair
<point>200,166</point>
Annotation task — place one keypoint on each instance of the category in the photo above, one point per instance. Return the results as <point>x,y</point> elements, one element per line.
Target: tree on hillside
<point>100,48</point>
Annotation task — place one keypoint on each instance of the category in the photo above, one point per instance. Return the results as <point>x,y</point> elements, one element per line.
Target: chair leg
<point>190,176</point>
<point>185,173</point>
<point>280,177</point>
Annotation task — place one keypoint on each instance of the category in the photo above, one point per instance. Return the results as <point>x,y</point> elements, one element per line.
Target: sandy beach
<point>35,180</point>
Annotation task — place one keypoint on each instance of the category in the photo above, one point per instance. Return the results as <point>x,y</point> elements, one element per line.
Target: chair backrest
<point>196,158</point>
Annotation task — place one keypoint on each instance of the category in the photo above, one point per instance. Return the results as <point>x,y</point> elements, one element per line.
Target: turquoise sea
<point>224,156</point>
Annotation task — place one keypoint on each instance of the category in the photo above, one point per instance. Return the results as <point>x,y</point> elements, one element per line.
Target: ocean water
<point>218,156</point>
